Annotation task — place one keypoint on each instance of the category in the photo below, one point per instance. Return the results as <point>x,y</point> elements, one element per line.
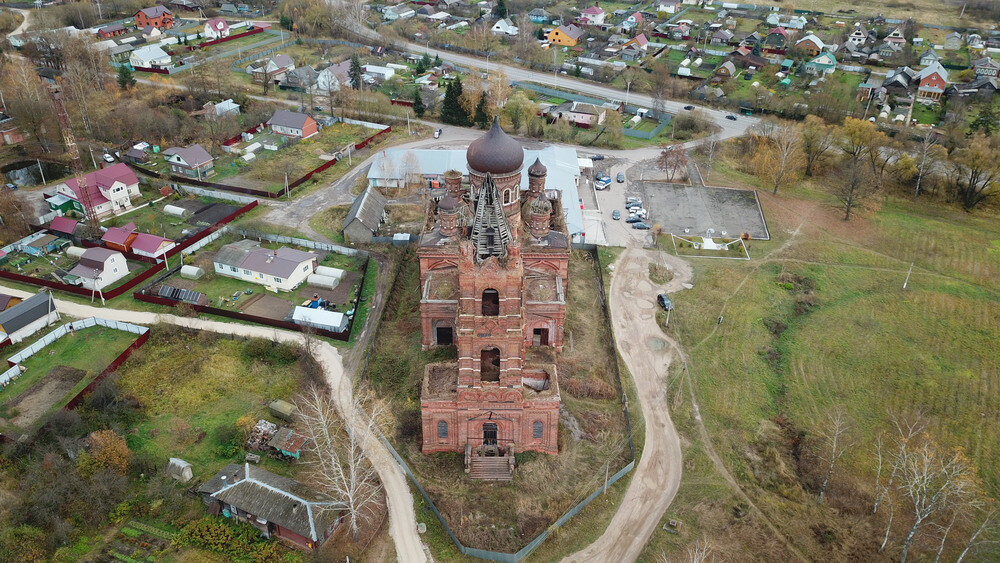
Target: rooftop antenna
<point>69,139</point>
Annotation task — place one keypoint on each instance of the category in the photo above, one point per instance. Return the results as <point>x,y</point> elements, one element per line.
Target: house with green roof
<point>822,64</point>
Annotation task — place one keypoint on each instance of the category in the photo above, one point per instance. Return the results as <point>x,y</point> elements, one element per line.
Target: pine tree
<point>500,10</point>
<point>355,73</point>
<point>452,111</point>
<point>426,61</point>
<point>481,119</point>
<point>577,72</point>
<point>125,77</point>
<point>986,121</point>
<point>420,67</point>
<point>418,103</point>
<point>437,60</point>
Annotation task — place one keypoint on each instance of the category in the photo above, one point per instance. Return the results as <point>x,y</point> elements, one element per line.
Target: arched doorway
<point>489,365</point>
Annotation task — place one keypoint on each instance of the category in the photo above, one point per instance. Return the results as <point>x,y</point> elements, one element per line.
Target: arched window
<point>536,430</point>
<point>489,365</point>
<point>442,429</point>
<point>491,302</point>
<point>506,197</point>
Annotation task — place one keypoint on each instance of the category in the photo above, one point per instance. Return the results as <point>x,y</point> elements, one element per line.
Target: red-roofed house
<point>776,38</point>
<point>631,22</point>
<point>593,15</point>
<point>63,226</point>
<point>120,238</point>
<point>639,42</point>
<point>110,190</point>
<point>216,28</point>
<point>153,246</point>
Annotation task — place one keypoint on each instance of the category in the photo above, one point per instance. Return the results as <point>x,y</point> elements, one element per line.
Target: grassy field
<point>923,11</point>
<point>819,318</point>
<point>505,517</point>
<point>192,400</point>
<point>89,350</point>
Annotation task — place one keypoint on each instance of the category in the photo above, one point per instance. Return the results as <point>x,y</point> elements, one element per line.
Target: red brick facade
<point>161,18</point>
<point>503,311</point>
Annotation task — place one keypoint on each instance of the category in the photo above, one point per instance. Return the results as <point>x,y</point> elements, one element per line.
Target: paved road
<point>647,352</point>
<point>727,128</point>
<point>402,519</point>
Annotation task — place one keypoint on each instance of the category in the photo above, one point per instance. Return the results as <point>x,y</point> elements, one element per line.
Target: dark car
<point>633,219</point>
<point>641,226</point>
<point>689,108</point>
<point>731,117</point>
<point>616,215</point>
<point>664,302</point>
<point>597,157</point>
<point>621,177</point>
<point>317,108</point>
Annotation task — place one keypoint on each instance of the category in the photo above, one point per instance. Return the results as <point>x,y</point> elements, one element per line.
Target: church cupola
<point>448,213</point>
<point>536,179</point>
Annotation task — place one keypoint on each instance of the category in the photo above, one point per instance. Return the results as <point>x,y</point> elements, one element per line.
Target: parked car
<point>633,199</point>
<point>621,177</point>
<point>108,158</point>
<point>437,133</point>
<point>731,117</point>
<point>633,219</point>
<point>641,226</point>
<point>597,157</point>
<point>616,215</point>
<point>664,302</point>
<point>689,108</point>
<point>10,186</point>
<point>317,108</point>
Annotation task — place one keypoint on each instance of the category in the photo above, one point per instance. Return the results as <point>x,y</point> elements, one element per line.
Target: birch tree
<point>817,140</point>
<point>988,533</point>
<point>336,452</point>
<point>929,154</point>
<point>836,436</point>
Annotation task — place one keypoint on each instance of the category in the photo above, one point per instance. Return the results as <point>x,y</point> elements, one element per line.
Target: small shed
<point>365,216</point>
<point>320,318</point>
<point>288,442</point>
<point>319,280</point>
<point>191,272</point>
<point>180,470</point>
<point>328,271</point>
<point>175,211</point>
<point>75,251</point>
<point>282,409</point>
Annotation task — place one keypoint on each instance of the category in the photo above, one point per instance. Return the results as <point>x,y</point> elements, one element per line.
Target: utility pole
<point>907,280</point>
<point>286,184</point>
<point>40,171</point>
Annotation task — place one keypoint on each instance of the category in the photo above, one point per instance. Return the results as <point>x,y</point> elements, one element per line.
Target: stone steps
<point>492,468</point>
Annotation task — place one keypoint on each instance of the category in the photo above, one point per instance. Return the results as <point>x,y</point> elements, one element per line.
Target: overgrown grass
<point>330,221</point>
<point>365,303</point>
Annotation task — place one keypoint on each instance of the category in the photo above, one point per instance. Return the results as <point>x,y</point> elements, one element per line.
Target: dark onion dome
<point>537,169</point>
<point>448,203</point>
<point>495,152</point>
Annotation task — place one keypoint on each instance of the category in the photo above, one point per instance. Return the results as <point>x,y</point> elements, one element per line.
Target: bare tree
<point>672,160</point>
<point>835,432</point>
<point>700,552</point>
<point>711,145</point>
<point>985,534</point>
<point>928,155</point>
<point>817,140</point>
<point>337,460</point>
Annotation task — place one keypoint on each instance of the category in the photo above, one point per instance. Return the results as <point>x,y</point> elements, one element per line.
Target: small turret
<point>449,216</point>
<point>540,213</point>
<point>536,179</point>
<point>453,184</point>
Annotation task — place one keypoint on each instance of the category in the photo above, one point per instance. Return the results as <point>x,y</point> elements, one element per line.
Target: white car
<point>108,158</point>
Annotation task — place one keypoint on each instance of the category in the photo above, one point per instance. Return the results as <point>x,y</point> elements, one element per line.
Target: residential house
<point>984,87</point>
<point>221,109</point>
<point>273,69</point>
<point>871,87</point>
<point>46,244</point>
<point>150,56</point>
<point>795,22</point>
<point>680,31</point>
<point>932,81</point>
<point>899,80</point>
<point>631,22</point>
<point>283,269</point>
<point>189,5</point>
<point>975,43</point>
<point>637,42</point>
<point>726,69</point>
<point>859,35</point>
<point>9,133</point>
<point>505,27</point>
<point>8,301</point>
<point>332,77</point>
<point>887,50</point>
<point>109,190</point>
<point>20,319</point>
<point>301,79</point>
<point>365,216</point>
<point>216,28</point>
<point>136,155</point>
<point>810,45</point>
<point>565,35</point>
<point>120,238</point>
<point>426,10</point>
<point>150,33</point>
<point>228,9</point>
<point>722,37</point>
<point>113,30</point>
<point>953,41</point>
<point>776,38</point>
<point>580,114</point>
<point>98,268</point>
<point>593,15</point>
<point>277,506</point>
<point>192,161</point>
<point>156,16</point>
<point>145,244</point>
<point>539,15</point>
<point>929,57</point>
<point>632,54</point>
<point>400,11</point>
<point>896,36</point>
<point>379,73</point>
<point>752,40</point>
<point>748,60</point>
<point>773,19</point>
<point>293,124</point>
<point>668,6</point>
<point>822,64</point>
<point>985,66</point>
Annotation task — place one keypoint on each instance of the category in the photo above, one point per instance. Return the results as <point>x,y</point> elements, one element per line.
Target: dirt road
<point>402,519</point>
<point>646,351</point>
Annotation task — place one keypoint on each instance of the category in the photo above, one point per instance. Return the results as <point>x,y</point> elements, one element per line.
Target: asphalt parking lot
<point>681,209</point>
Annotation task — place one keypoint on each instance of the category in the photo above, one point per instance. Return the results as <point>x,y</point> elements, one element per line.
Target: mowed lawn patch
<point>193,387</point>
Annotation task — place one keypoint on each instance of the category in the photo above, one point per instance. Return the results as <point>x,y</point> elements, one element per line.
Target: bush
<point>271,353</point>
<point>240,541</point>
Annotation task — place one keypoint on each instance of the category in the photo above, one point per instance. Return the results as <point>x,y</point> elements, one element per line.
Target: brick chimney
<point>540,212</point>
<point>448,215</point>
<point>453,184</point>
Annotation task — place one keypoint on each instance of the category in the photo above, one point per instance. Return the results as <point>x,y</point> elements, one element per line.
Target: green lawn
<point>927,115</point>
<point>365,304</point>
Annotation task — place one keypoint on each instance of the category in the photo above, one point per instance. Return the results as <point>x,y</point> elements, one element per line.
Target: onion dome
<point>448,203</point>
<point>495,152</point>
<point>537,169</point>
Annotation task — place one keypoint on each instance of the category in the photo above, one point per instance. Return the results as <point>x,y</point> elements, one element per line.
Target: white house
<point>398,12</point>
<point>150,56</point>
<point>146,244</point>
<point>99,267</point>
<point>593,15</point>
<point>109,190</point>
<point>283,269</point>
<point>381,73</point>
<point>216,28</point>
<point>505,27</point>
<point>27,317</point>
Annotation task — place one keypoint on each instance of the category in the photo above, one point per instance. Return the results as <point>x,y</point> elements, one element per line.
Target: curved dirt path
<point>25,15</point>
<point>647,352</point>
<point>402,517</point>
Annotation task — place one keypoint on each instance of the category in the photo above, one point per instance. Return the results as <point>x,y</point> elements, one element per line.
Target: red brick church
<point>493,274</point>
